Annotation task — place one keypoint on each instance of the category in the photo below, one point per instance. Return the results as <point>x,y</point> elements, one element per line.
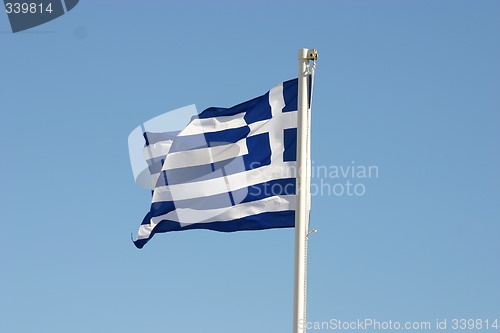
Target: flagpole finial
<point>310,54</point>
<point>313,54</point>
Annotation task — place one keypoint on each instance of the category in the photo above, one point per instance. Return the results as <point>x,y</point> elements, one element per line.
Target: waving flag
<point>229,169</point>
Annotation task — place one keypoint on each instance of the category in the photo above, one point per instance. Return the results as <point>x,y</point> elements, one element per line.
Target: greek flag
<point>229,169</point>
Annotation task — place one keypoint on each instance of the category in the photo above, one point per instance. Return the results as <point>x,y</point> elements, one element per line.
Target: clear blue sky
<point>411,87</point>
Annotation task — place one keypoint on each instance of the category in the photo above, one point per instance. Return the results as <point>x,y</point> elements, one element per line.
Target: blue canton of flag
<point>229,169</point>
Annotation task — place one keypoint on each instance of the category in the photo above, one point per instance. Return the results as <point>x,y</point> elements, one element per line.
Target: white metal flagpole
<point>303,191</point>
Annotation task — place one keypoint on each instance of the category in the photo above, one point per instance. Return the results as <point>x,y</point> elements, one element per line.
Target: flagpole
<point>303,191</point>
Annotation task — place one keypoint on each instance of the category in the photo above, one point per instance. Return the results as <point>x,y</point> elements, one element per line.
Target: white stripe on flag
<point>204,156</point>
<point>233,182</point>
<point>208,125</point>
<point>271,204</point>
<point>145,231</point>
<point>157,149</point>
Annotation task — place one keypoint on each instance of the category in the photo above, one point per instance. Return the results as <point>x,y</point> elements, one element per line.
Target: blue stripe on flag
<point>268,220</point>
<point>290,95</point>
<point>261,110</point>
<point>290,143</point>
<point>210,139</point>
